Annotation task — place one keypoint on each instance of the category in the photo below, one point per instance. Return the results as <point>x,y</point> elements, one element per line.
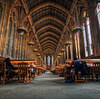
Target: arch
<point>49,29</point>
<point>49,26</point>
<point>44,18</point>
<point>48,38</point>
<point>48,50</point>
<point>48,43</point>
<point>48,17</point>
<point>47,4</point>
<point>49,46</point>
<point>13,4</point>
<point>48,34</point>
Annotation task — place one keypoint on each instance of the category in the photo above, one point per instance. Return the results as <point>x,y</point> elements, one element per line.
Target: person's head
<point>75,58</point>
<point>8,59</point>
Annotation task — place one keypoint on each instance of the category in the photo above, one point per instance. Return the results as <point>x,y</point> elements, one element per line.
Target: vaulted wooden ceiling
<point>49,18</point>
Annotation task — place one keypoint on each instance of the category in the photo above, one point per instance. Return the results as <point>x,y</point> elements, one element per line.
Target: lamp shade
<point>62,50</point>
<point>58,57</point>
<point>22,30</point>
<point>31,43</point>
<point>76,29</point>
<point>67,43</point>
<point>38,54</point>
<point>35,50</point>
<point>39,57</point>
<point>59,54</point>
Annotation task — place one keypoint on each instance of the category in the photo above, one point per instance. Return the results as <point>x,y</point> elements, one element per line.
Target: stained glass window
<point>48,60</point>
<point>8,38</point>
<point>98,12</point>
<point>89,36</point>
<point>52,59</point>
<point>45,60</point>
<point>85,41</point>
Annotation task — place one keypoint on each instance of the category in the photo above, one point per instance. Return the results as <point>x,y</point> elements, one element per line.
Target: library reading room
<point>49,49</point>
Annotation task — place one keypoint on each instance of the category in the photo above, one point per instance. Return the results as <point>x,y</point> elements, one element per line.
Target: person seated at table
<point>10,67</point>
<point>79,65</point>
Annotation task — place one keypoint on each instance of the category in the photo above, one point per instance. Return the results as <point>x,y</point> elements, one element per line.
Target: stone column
<point>5,21</point>
<point>11,39</point>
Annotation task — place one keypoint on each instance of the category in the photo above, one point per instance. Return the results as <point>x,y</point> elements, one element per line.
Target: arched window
<point>85,41</point>
<point>87,35</point>
<point>52,59</point>
<point>13,34</point>
<point>98,12</point>
<point>13,40</point>
<point>48,60</point>
<point>8,37</point>
<point>45,60</point>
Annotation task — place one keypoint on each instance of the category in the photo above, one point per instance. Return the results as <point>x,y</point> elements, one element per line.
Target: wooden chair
<point>23,73</point>
<point>97,71</point>
<point>2,72</point>
<point>91,73</point>
<point>78,77</point>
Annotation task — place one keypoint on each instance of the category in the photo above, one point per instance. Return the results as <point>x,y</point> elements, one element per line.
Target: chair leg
<point>94,77</point>
<point>76,78</point>
<point>86,79</point>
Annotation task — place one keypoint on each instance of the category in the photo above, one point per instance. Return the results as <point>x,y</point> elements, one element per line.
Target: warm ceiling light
<point>59,54</point>
<point>35,50</point>
<point>21,30</point>
<point>67,43</point>
<point>38,54</point>
<point>31,43</point>
<point>58,57</point>
<point>62,50</point>
<point>76,29</point>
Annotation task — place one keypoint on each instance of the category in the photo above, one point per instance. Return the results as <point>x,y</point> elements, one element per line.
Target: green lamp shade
<point>59,54</point>
<point>35,50</point>
<point>62,50</point>
<point>31,43</point>
<point>76,29</point>
<point>67,43</point>
<point>22,30</point>
<point>38,54</point>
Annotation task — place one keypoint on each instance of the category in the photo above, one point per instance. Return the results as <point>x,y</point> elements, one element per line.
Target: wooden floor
<point>49,86</point>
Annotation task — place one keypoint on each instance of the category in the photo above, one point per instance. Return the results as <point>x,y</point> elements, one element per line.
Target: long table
<point>93,64</point>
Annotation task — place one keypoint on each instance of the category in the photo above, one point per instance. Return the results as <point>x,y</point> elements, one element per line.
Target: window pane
<point>8,38</point>
<point>48,60</point>
<point>45,60</point>
<point>89,36</point>
<point>98,12</point>
<point>52,59</point>
<point>85,41</point>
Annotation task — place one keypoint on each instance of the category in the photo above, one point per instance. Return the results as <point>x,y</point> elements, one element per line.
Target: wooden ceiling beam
<point>48,4</point>
<point>47,39</point>
<point>67,21</point>
<point>49,33</point>
<point>30,20</point>
<point>49,26</point>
